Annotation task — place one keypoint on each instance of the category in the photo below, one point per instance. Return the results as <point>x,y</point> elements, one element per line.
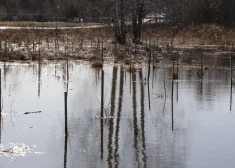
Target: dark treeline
<point>180,11</point>
<point>59,8</point>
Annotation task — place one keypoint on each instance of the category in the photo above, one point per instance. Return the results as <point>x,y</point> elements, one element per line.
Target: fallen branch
<point>32,112</point>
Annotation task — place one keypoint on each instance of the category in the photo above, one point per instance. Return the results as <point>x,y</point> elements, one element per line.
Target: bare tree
<point>119,22</point>
<point>137,16</point>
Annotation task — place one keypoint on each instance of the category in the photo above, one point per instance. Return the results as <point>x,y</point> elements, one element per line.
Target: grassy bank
<point>88,43</point>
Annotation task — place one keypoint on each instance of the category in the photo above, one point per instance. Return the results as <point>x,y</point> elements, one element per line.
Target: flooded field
<point>140,127</point>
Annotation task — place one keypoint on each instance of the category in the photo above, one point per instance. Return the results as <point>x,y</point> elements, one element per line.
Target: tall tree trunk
<point>123,25</point>
<point>134,22</point>
<point>140,17</point>
<point>137,16</point>
<point>119,22</point>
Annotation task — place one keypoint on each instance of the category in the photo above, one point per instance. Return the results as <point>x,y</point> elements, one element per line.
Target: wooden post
<point>102,51</point>
<point>177,97</point>
<point>148,78</point>
<point>39,70</point>
<point>201,66</point>
<point>231,69</point>
<point>39,51</point>
<point>172,99</point>
<point>153,55</point>
<point>0,94</point>
<point>177,69</point>
<point>65,114</point>
<point>102,109</point>
<point>231,81</point>
<point>131,63</point>
<point>102,137</point>
<point>102,94</point>
<point>66,130</point>
<point>149,66</point>
<point>0,105</point>
<point>67,67</point>
<point>149,101</point>
<point>102,89</point>
<point>33,49</point>
<point>65,150</point>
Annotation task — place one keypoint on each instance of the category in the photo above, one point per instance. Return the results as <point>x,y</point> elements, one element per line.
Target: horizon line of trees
<point>181,11</point>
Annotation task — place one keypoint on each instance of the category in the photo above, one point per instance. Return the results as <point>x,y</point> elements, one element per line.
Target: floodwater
<point>139,128</point>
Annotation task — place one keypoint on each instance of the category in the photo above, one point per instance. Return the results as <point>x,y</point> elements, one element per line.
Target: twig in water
<point>32,112</point>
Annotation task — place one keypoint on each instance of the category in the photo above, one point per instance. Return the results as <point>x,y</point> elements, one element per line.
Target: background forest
<point>180,11</point>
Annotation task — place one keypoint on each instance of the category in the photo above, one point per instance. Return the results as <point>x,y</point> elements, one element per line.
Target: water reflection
<point>102,115</point>
<point>144,158</point>
<point>39,78</point>
<point>135,125</point>
<point>65,128</point>
<point>111,121</point>
<point>120,100</point>
<point>129,135</point>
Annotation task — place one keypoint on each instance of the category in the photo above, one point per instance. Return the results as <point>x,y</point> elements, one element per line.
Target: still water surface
<point>138,130</point>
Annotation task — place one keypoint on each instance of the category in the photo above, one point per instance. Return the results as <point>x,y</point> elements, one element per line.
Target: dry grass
<point>203,34</point>
<point>96,64</point>
<point>85,43</point>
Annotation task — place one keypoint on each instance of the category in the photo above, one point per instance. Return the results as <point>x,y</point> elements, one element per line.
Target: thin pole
<point>231,81</point>
<point>65,110</point>
<point>0,105</point>
<point>65,150</point>
<point>172,100</point>
<point>67,67</point>
<point>0,92</point>
<point>201,66</point>
<point>231,68</point>
<point>177,77</point>
<point>102,107</point>
<point>177,66</point>
<point>149,66</point>
<point>102,138</point>
<point>102,88</point>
